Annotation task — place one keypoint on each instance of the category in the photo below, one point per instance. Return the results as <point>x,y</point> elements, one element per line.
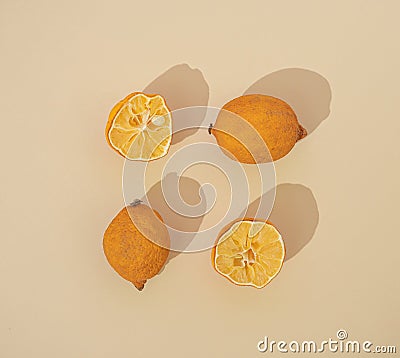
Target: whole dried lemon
<point>136,243</point>
<point>257,129</point>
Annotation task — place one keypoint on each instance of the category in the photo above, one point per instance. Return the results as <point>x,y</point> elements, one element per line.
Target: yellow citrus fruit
<point>249,252</point>
<point>136,243</point>
<point>139,127</point>
<point>257,129</point>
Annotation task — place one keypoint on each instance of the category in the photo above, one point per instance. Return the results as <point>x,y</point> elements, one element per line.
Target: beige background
<point>65,63</point>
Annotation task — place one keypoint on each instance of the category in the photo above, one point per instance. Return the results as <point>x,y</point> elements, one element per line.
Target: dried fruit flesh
<point>139,127</point>
<point>249,252</point>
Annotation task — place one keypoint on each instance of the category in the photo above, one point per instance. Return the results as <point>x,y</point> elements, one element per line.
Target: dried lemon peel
<point>136,243</point>
<point>140,127</point>
<point>250,253</point>
<point>242,120</point>
<point>242,146</point>
<point>302,132</point>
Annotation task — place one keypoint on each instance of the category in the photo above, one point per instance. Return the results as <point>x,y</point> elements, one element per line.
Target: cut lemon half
<point>249,252</point>
<point>139,127</point>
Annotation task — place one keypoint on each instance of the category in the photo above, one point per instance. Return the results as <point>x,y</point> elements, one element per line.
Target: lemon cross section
<point>250,253</point>
<point>142,128</point>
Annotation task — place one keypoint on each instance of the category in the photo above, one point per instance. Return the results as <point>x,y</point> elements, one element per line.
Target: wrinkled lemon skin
<point>257,128</point>
<point>136,251</point>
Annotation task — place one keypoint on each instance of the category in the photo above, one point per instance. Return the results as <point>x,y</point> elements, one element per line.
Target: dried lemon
<point>249,252</point>
<point>257,129</point>
<point>136,243</point>
<point>139,127</point>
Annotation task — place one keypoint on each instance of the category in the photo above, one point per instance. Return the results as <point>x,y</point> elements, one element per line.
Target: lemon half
<point>140,127</point>
<point>249,253</point>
